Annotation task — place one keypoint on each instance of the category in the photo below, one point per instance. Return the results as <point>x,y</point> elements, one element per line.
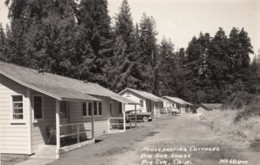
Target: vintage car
<point>141,116</point>
<point>175,111</point>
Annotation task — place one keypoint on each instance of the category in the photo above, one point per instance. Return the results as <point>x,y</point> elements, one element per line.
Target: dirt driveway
<point>167,141</point>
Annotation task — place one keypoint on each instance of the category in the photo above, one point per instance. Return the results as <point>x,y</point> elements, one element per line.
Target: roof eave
<point>78,99</point>
<point>30,87</point>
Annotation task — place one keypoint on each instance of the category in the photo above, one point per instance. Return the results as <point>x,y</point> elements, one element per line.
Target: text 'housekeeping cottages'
<point>39,109</point>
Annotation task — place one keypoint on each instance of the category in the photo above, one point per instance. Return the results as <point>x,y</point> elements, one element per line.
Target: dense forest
<point>80,41</point>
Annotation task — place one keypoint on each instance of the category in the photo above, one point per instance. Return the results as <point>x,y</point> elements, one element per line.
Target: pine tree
<point>196,69</point>
<point>218,63</point>
<point>18,26</point>
<point>93,18</point>
<point>123,60</point>
<point>50,39</point>
<point>167,68</point>
<point>180,74</point>
<point>2,43</point>
<point>148,63</point>
<point>239,49</point>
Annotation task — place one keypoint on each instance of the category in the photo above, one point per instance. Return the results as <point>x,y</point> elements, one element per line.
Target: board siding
<point>135,98</point>
<point>13,136</point>
<point>100,122</point>
<point>40,134</point>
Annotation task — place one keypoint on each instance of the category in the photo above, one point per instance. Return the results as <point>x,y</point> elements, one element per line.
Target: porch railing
<point>73,129</point>
<point>117,123</point>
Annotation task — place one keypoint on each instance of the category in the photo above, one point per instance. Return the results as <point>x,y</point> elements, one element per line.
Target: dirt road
<point>166,141</point>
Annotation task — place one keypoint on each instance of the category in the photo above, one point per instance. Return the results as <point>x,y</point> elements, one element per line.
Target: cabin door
<point>111,109</point>
<point>65,117</point>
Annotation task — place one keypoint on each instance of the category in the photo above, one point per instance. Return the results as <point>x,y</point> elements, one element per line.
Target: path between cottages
<point>167,132</point>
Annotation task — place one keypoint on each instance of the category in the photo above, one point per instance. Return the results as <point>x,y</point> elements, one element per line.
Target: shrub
<point>238,100</point>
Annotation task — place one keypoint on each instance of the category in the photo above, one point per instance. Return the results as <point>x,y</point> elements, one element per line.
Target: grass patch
<point>240,132</point>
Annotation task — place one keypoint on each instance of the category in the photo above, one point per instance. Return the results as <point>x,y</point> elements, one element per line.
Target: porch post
<point>28,100</point>
<point>92,122</point>
<point>135,117</point>
<point>57,128</point>
<point>123,109</point>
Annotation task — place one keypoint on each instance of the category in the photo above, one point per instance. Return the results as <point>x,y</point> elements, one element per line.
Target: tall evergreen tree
<point>124,57</point>
<point>239,50</point>
<point>50,38</point>
<point>2,43</point>
<point>196,68</point>
<point>148,64</point>
<point>180,80</point>
<point>218,62</point>
<point>18,27</point>
<point>167,68</point>
<point>93,17</point>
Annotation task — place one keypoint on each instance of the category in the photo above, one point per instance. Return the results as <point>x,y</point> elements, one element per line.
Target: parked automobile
<point>141,116</point>
<point>165,110</point>
<point>175,111</point>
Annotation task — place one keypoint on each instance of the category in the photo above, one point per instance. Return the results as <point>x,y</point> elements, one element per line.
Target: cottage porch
<point>61,132</point>
<point>74,131</point>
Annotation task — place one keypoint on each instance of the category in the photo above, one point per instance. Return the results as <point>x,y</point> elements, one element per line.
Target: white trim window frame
<point>17,105</point>
<point>141,103</point>
<point>87,107</point>
<point>42,108</point>
<point>98,108</point>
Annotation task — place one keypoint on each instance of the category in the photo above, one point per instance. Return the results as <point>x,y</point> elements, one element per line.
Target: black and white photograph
<point>129,82</point>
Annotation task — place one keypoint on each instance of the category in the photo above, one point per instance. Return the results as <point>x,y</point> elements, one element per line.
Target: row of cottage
<point>36,107</point>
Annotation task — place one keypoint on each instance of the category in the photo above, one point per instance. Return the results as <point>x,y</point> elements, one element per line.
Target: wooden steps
<point>45,152</point>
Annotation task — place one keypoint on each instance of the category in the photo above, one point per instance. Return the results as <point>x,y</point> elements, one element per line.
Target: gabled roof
<point>59,87</point>
<point>165,100</point>
<point>211,106</point>
<point>143,94</point>
<point>176,100</point>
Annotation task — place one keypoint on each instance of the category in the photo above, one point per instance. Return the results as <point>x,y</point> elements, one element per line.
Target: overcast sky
<point>180,20</point>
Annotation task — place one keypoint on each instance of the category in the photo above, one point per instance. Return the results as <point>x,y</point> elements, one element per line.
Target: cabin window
<point>120,108</point>
<point>95,108</point>
<point>86,109</point>
<point>110,109</point>
<point>99,108</point>
<point>38,107</point>
<point>17,102</point>
<point>63,109</point>
<point>89,109</point>
<point>141,103</point>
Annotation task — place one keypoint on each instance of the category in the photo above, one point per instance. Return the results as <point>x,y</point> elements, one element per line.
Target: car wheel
<point>145,119</point>
<point>174,113</point>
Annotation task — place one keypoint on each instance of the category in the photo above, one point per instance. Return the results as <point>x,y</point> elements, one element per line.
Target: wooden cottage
<point>174,102</point>
<point>201,109</point>
<point>148,102</point>
<point>167,107</point>
<point>211,106</point>
<point>41,112</point>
